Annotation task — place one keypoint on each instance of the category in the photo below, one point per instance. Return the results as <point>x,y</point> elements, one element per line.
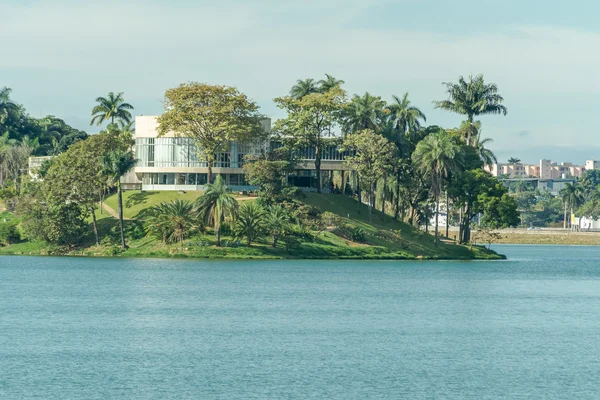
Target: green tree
<point>374,157</point>
<point>78,175</point>
<point>364,112</point>
<point>329,83</point>
<point>304,88</point>
<point>405,117</point>
<point>310,120</point>
<point>486,156</point>
<point>572,196</point>
<point>216,205</point>
<point>113,107</point>
<point>172,221</point>
<point>250,222</point>
<point>437,156</point>
<point>212,116</point>
<point>276,223</point>
<point>472,98</point>
<point>116,164</point>
<point>514,160</point>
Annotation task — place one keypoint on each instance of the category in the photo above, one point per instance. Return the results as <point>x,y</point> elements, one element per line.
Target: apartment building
<point>546,169</point>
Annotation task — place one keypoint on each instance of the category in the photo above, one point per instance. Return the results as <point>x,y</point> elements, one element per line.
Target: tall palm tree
<point>329,83</point>
<point>486,156</point>
<point>405,117</point>
<point>111,108</point>
<point>303,88</point>
<point>364,112</point>
<point>437,156</point>
<point>514,160</point>
<point>472,98</point>
<point>216,205</point>
<point>116,164</point>
<point>572,195</point>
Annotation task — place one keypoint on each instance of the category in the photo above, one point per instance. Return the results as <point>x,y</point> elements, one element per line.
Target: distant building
<point>546,169</point>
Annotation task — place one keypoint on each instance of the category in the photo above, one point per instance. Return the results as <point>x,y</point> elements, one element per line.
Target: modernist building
<point>172,163</point>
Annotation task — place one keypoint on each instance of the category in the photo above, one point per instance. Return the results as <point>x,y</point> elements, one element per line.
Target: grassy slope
<point>387,239</point>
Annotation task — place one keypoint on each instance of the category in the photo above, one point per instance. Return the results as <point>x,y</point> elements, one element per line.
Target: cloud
<point>62,54</point>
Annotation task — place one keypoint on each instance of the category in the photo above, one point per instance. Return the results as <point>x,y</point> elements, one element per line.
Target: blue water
<point>80,328</point>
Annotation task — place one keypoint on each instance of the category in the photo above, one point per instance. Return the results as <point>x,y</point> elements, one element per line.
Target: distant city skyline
<point>60,55</point>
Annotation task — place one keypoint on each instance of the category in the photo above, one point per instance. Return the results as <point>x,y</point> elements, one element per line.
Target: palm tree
<point>172,222</point>
<point>437,156</point>
<point>329,83</point>
<point>249,222</point>
<point>572,195</point>
<point>486,156</point>
<point>472,98</point>
<point>116,164</point>
<point>405,117</point>
<point>364,112</point>
<point>514,160</point>
<point>276,222</point>
<point>111,108</point>
<point>6,104</point>
<point>217,204</point>
<point>303,88</point>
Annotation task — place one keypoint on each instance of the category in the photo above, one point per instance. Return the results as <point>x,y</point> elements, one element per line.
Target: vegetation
<point>398,176</point>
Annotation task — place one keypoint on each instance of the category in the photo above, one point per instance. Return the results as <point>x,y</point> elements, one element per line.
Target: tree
<point>15,160</point>
<point>216,205</point>
<point>212,116</point>
<point>304,88</point>
<point>310,120</point>
<point>437,156</point>
<point>364,112</point>
<point>7,107</point>
<point>406,118</point>
<point>172,221</point>
<point>276,222</point>
<point>514,160</point>
<point>112,107</point>
<point>465,189</point>
<point>250,222</point>
<point>116,164</point>
<point>572,196</point>
<point>486,155</point>
<point>472,98</point>
<point>78,175</point>
<point>374,157</point>
<point>329,83</point>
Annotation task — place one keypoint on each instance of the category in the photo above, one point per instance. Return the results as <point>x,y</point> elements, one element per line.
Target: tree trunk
<point>318,167</point>
<point>123,245</point>
<point>372,201</point>
<point>460,225</point>
<point>397,202</point>
<point>437,213</point>
<point>565,218</point>
<point>95,226</point>
<point>447,216</point>
<point>383,198</point>
<point>358,191</point>
<point>469,127</point>
<point>218,234</point>
<point>274,244</point>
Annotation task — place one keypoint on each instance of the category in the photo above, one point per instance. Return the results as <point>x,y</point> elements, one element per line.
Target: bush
<point>9,233</point>
<point>358,235</point>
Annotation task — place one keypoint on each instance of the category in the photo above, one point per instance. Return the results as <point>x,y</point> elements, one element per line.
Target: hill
<point>380,238</point>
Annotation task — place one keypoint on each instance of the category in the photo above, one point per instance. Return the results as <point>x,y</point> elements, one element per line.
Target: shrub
<point>358,235</point>
<point>9,233</point>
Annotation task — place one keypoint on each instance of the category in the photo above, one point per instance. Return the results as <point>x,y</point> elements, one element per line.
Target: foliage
<point>250,222</point>
<point>113,107</point>
<point>172,222</point>
<point>309,121</point>
<point>269,173</point>
<point>472,98</point>
<point>212,116</point>
<point>277,221</point>
<point>217,205</point>
<point>364,112</point>
<point>9,233</point>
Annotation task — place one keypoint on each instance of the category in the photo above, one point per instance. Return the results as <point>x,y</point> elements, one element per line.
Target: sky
<point>59,55</point>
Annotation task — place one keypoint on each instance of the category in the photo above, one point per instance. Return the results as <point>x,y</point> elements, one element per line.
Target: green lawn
<point>135,201</point>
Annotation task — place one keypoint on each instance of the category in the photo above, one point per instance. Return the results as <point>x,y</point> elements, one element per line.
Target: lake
<point>84,328</point>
